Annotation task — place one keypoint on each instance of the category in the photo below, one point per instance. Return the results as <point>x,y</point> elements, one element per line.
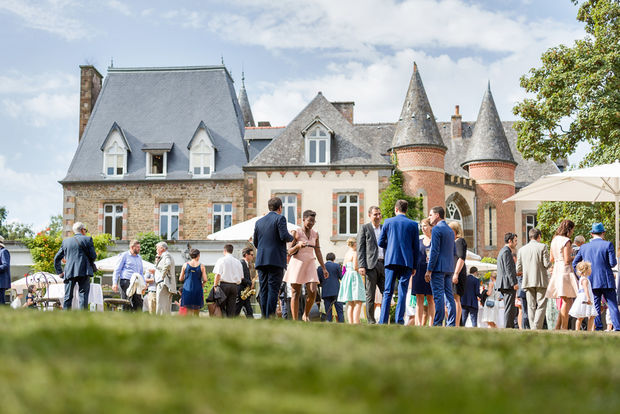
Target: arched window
<point>114,159</point>
<point>454,214</point>
<point>318,145</point>
<point>202,159</point>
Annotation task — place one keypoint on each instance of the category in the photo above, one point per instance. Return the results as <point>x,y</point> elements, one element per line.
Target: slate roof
<point>416,125</point>
<point>259,137</point>
<point>488,139</point>
<point>351,146</point>
<point>244,103</point>
<point>163,105</point>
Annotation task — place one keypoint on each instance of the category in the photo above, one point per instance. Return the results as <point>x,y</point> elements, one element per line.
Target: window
<point>530,223</point>
<point>317,148</point>
<point>454,214</point>
<point>348,209</point>
<point>114,160</point>
<point>169,221</point>
<point>113,220</point>
<point>490,225</point>
<point>202,159</point>
<point>289,207</point>
<point>156,163</point>
<point>222,216</point>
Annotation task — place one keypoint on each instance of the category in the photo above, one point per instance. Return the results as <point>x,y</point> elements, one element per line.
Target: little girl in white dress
<point>583,307</point>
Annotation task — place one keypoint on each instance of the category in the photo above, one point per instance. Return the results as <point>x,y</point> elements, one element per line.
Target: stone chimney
<point>264,124</point>
<point>457,126</point>
<point>90,86</point>
<point>346,109</point>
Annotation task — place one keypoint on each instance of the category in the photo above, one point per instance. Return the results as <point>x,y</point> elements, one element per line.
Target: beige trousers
<point>164,300</point>
<point>151,301</point>
<point>536,306</point>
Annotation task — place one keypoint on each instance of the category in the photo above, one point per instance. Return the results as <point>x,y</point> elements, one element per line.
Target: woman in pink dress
<point>301,268</point>
<point>562,283</point>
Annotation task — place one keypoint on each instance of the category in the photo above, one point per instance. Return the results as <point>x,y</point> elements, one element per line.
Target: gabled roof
<point>164,105</point>
<point>416,125</point>
<point>316,120</point>
<point>204,127</point>
<point>158,146</point>
<point>115,127</point>
<point>348,148</point>
<point>489,142</point>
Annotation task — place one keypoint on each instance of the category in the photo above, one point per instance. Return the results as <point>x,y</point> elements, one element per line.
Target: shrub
<point>148,241</point>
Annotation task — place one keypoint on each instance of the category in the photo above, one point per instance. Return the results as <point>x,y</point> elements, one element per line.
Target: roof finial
<point>112,62</point>
<point>242,77</point>
<point>222,57</point>
<point>489,85</point>
<point>415,66</point>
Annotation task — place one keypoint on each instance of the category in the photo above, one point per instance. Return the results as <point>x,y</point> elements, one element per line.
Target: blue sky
<point>350,50</point>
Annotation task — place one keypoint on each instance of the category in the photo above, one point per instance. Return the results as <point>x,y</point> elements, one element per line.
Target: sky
<point>289,50</point>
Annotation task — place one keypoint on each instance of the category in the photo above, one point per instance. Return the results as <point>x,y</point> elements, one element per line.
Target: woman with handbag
<point>489,312</point>
<point>193,276</point>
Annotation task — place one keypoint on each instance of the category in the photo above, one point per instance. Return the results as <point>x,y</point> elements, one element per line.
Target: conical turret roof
<point>416,125</point>
<point>248,119</point>
<point>488,141</point>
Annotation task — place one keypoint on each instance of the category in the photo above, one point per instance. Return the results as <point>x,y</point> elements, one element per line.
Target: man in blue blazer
<point>441,266</point>
<point>400,240</point>
<point>5,271</point>
<point>600,253</point>
<point>270,238</point>
<point>79,251</point>
<point>330,286</point>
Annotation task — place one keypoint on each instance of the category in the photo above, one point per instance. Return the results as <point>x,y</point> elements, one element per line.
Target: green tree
<point>148,241</point>
<point>13,231</point>
<point>577,90</point>
<point>395,192</point>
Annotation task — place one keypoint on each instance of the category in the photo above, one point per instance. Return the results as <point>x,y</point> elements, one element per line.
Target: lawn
<point>57,362</point>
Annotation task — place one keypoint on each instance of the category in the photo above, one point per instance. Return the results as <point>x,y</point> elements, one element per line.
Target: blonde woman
<point>420,287</point>
<point>459,278</point>
<point>352,289</point>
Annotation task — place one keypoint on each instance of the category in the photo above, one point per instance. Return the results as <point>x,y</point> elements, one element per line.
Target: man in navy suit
<point>330,286</point>
<point>399,240</point>
<point>79,251</point>
<point>441,266</point>
<point>5,271</point>
<point>270,238</point>
<point>469,301</point>
<point>600,253</point>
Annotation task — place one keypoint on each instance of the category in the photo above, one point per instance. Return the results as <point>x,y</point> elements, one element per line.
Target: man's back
<point>331,285</point>
<point>400,239</point>
<point>270,237</point>
<point>78,251</point>
<point>600,253</point>
<point>472,290</point>
<point>533,261</point>
<point>443,249</point>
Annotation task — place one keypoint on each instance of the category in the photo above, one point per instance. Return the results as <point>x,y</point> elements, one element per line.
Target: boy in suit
<point>330,286</point>
<point>469,300</point>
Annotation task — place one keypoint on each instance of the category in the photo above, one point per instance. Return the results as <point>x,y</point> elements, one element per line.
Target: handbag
<point>489,303</point>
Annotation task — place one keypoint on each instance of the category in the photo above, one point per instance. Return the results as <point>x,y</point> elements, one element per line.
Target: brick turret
<point>418,146</point>
<point>490,162</point>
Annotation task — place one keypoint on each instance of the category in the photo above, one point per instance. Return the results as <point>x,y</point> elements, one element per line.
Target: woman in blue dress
<point>193,276</point>
<point>420,287</point>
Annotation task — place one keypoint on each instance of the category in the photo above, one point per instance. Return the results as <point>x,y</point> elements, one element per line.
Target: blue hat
<point>597,228</point>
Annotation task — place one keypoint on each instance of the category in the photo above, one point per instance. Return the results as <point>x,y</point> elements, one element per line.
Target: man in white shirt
<point>228,275</point>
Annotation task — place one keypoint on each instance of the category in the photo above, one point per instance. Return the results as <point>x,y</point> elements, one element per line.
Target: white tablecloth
<point>95,296</point>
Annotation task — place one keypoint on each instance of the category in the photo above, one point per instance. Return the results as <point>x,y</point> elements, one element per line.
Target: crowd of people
<point>430,272</point>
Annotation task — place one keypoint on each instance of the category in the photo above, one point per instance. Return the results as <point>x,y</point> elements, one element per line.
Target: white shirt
<point>377,234</point>
<point>229,268</point>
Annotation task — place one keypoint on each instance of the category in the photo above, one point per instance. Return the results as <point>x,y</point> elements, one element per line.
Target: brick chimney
<point>90,86</point>
<point>457,126</point>
<point>346,109</point>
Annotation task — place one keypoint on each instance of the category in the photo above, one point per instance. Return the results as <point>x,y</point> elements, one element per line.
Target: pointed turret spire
<point>416,126</point>
<point>244,103</point>
<point>488,141</point>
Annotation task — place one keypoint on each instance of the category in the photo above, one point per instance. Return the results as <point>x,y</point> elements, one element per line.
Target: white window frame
<point>314,135</point>
<point>287,204</point>
<point>347,203</point>
<point>207,158</point>
<point>450,209</point>
<point>116,149</point>
<point>114,215</point>
<point>168,214</point>
<point>529,226</point>
<point>222,213</point>
<point>149,160</point>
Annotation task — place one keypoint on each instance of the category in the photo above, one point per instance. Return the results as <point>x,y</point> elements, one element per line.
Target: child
<point>352,289</point>
<point>583,306</point>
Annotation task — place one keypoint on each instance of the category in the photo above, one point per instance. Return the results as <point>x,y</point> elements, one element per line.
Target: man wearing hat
<point>600,253</point>
<point>5,271</point>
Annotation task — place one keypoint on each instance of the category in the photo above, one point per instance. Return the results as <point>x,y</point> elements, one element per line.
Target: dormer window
<point>157,159</point>
<point>318,139</point>
<point>201,153</point>
<point>115,148</point>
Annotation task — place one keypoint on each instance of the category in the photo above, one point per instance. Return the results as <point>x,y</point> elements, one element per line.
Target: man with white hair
<point>79,252</point>
<point>129,263</point>
<point>165,279</point>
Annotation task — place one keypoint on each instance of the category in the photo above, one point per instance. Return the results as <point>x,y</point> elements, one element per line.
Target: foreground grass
<point>122,363</point>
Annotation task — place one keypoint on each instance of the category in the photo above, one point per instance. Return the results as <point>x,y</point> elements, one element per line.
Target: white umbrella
<point>109,264</point>
<point>596,184</point>
<point>39,279</point>
<point>241,231</point>
<point>482,267</point>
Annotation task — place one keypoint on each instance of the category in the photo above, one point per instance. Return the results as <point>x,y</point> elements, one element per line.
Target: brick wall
<point>90,86</point>
<point>141,204</point>
<point>423,172</point>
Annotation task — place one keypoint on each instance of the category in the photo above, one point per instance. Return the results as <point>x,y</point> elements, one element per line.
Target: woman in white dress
<point>490,313</point>
<point>563,283</point>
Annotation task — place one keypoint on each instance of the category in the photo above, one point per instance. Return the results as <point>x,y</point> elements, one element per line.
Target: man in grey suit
<point>533,261</point>
<point>79,251</point>
<point>507,282</point>
<point>370,260</point>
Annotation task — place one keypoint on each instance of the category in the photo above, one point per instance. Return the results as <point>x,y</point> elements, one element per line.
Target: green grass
<point>57,362</point>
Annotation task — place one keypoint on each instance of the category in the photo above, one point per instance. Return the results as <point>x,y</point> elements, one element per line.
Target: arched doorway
<point>457,209</point>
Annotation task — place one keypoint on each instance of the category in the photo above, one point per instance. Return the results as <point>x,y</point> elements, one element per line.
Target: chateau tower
<point>490,162</point>
<point>248,119</point>
<point>418,146</point>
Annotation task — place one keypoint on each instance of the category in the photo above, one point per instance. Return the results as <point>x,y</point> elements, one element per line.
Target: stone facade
<point>141,200</point>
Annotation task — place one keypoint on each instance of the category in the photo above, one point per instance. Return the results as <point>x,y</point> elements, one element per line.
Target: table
<point>95,296</point>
